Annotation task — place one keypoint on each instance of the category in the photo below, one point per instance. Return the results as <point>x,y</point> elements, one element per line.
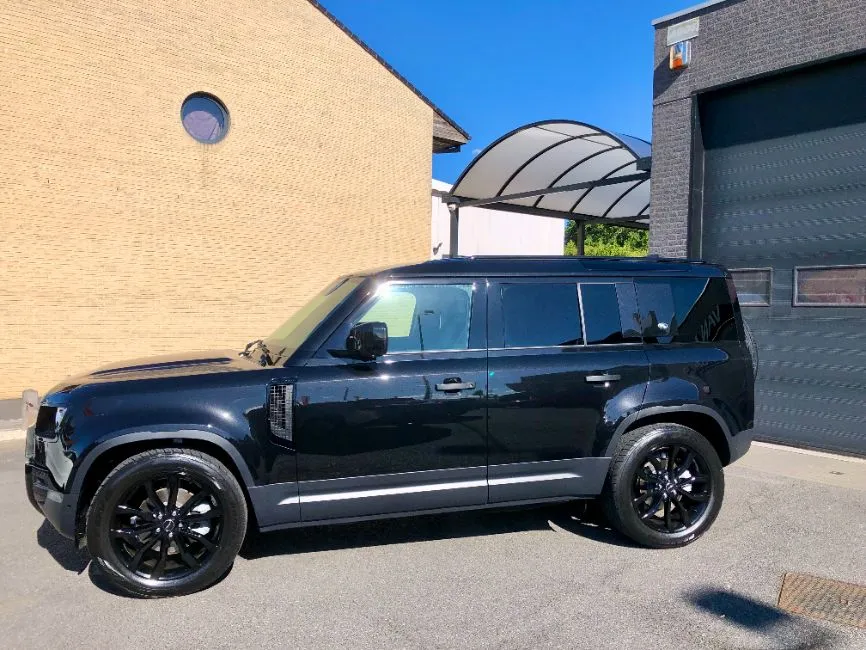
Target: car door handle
<point>597,379</point>
<point>452,386</point>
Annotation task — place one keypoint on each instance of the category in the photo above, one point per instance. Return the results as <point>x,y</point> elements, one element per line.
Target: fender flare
<point>651,411</point>
<point>163,434</point>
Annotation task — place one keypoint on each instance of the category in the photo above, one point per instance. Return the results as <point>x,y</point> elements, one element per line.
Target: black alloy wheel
<point>672,488</point>
<point>665,485</point>
<point>166,522</point>
<point>166,527</point>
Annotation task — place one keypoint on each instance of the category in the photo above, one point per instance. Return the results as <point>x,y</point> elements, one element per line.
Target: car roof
<point>507,266</point>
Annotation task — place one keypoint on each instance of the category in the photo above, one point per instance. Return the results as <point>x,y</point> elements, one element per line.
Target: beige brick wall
<point>121,236</point>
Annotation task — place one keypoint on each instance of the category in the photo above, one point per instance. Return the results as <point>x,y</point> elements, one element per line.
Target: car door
<point>565,359</point>
<point>407,431</point>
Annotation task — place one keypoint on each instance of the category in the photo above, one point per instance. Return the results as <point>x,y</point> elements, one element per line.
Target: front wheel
<point>665,486</point>
<point>166,522</point>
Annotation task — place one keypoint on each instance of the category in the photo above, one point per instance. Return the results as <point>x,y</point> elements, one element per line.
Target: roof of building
<point>552,266</point>
<point>447,134</point>
<point>685,12</point>
<point>563,168</point>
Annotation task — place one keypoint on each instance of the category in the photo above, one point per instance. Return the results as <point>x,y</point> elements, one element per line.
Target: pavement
<point>543,578</point>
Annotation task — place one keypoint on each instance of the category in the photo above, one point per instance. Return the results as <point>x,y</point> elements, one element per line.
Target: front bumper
<point>43,492</point>
<point>56,507</point>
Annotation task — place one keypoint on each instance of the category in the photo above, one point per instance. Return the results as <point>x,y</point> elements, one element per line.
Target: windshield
<point>291,334</point>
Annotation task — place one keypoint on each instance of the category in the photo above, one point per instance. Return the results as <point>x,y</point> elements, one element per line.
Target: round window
<point>205,118</point>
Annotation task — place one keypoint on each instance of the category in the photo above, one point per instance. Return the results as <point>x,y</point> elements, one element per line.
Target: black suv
<point>448,385</point>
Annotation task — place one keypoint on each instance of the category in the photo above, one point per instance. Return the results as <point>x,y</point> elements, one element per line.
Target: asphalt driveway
<point>522,579</point>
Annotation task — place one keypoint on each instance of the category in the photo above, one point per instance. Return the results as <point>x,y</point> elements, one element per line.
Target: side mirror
<point>366,341</point>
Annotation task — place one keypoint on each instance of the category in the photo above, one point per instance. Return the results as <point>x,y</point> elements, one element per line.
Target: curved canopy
<point>536,166</point>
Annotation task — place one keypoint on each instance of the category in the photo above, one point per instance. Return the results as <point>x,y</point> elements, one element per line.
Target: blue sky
<point>493,65</point>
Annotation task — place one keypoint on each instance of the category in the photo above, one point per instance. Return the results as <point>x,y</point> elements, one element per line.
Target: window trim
<point>769,302</point>
<point>199,94</point>
<point>796,302</point>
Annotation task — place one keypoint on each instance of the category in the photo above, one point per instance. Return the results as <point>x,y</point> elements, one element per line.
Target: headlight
<point>58,418</point>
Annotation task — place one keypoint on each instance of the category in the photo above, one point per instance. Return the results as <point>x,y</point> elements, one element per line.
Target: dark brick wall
<point>738,39</point>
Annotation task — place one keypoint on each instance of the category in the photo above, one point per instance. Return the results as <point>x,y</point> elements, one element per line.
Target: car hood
<point>170,365</point>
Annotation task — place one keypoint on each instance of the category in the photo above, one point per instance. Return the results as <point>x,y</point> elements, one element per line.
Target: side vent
<point>280,398</point>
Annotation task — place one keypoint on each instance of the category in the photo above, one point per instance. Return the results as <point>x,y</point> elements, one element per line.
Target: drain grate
<point>831,600</point>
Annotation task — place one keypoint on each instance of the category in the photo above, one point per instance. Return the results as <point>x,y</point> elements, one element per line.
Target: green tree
<point>608,240</point>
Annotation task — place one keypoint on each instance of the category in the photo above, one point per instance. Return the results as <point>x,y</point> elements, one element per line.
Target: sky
<point>494,65</point>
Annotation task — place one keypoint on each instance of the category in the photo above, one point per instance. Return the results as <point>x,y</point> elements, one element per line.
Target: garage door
<point>784,201</point>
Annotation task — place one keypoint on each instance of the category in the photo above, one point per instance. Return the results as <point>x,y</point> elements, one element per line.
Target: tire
<point>157,550</point>
<point>675,513</point>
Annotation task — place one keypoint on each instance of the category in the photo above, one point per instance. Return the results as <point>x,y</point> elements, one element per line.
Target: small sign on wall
<point>684,31</point>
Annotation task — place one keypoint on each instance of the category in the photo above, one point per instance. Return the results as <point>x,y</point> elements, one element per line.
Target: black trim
<point>417,513</point>
<point>814,63</point>
<point>142,436</point>
<point>574,477</point>
<point>695,207</point>
<point>734,445</point>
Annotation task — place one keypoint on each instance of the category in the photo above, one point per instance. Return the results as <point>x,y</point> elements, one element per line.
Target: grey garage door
<point>784,192</point>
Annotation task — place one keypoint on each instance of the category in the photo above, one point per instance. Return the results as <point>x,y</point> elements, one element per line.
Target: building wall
<point>484,231</point>
<point>121,236</point>
<point>738,39</point>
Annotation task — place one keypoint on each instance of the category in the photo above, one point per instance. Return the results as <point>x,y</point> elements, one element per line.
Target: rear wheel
<point>665,486</point>
<point>167,522</point>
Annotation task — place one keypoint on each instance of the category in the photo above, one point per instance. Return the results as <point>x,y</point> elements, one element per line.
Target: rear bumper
<point>57,508</point>
<point>739,444</point>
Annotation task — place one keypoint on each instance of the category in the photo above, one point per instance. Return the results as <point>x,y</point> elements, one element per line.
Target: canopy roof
<point>536,167</point>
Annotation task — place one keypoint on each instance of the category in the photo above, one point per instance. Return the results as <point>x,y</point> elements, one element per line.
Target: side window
<point>686,310</point>
<point>423,317</point>
<point>609,313</point>
<point>542,314</point>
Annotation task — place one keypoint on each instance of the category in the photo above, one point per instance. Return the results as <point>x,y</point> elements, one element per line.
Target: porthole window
<point>205,118</point>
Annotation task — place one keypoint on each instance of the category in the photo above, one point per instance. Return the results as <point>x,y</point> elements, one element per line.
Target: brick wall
<point>121,236</point>
<point>738,39</point>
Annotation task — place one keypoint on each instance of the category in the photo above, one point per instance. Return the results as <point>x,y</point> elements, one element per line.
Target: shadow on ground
<point>579,519</point>
<point>775,627</point>
<point>63,550</point>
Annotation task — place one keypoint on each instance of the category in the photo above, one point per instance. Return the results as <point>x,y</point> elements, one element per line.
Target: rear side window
<point>685,310</point>
<point>609,313</point>
<point>540,315</point>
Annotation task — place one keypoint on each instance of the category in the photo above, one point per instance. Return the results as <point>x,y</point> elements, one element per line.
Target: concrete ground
<point>524,579</point>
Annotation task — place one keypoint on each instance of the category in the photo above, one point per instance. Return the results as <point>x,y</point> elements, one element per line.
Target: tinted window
<point>685,310</point>
<point>542,314</point>
<point>609,313</point>
<point>423,316</point>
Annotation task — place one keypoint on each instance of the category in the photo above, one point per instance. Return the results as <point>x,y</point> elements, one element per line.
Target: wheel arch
<point>705,421</point>
<point>108,454</point>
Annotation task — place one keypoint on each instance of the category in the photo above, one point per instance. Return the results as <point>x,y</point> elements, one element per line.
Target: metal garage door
<point>784,189</point>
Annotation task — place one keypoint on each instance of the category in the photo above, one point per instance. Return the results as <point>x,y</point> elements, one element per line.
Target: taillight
<point>732,289</point>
